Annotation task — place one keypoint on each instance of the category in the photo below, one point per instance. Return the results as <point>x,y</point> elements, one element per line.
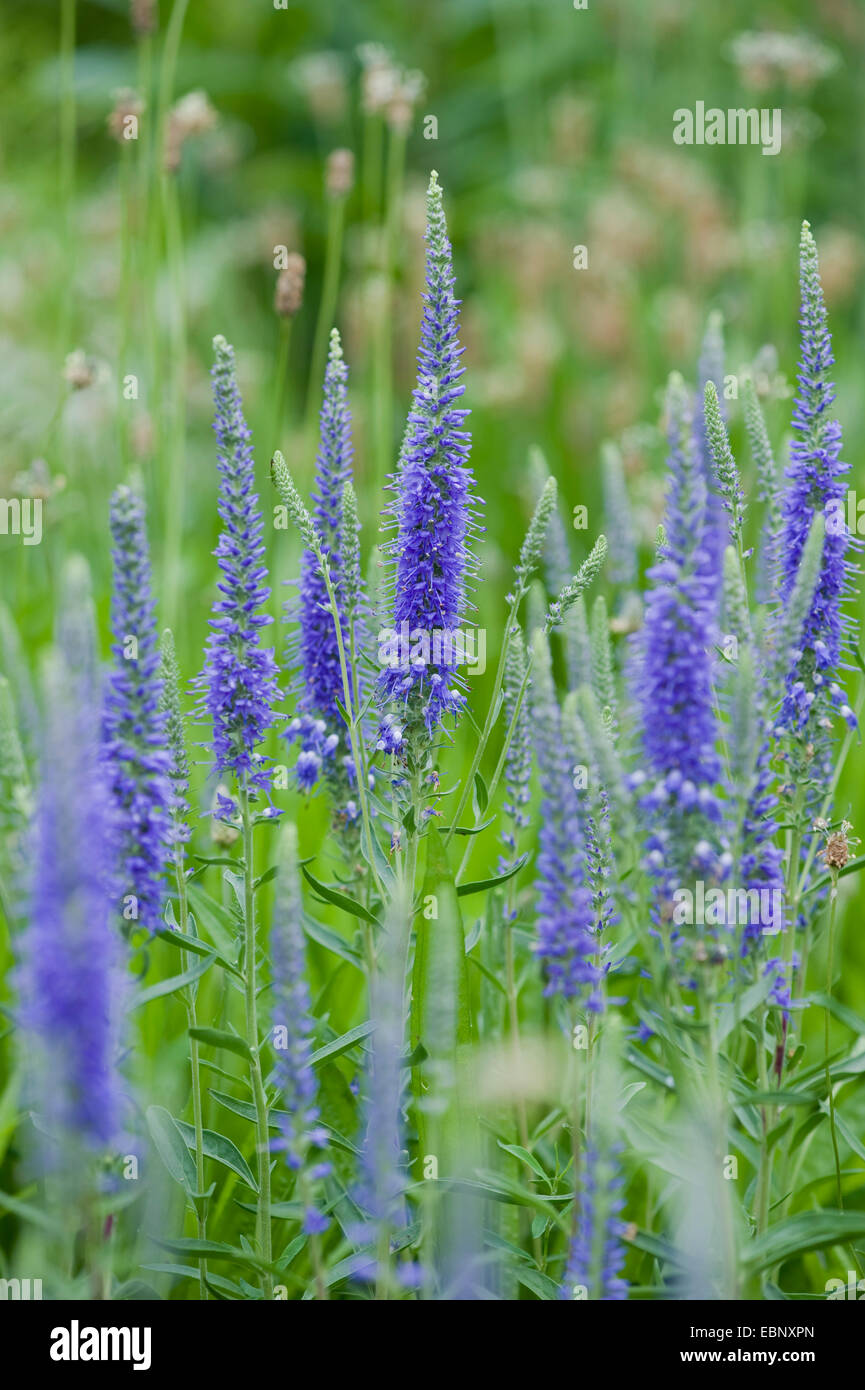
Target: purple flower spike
<point>434,507</point>
<point>238,685</point>
<point>678,638</point>
<point>816,481</point>
<point>316,649</point>
<point>566,943</point>
<point>70,980</point>
<point>134,722</point>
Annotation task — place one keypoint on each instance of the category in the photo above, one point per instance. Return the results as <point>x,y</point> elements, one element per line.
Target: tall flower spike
<point>767,485</point>
<point>170,705</point>
<point>565,942</point>
<point>710,369</point>
<point>237,687</point>
<point>69,978</point>
<point>816,481</point>
<point>726,472</point>
<point>434,507</point>
<point>134,722</point>
<point>292,1023</point>
<point>318,726</point>
<point>678,637</point>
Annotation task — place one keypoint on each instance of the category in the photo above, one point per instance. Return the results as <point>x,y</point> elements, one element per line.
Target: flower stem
<point>830,962</point>
<point>191,1017</point>
<point>250,995</point>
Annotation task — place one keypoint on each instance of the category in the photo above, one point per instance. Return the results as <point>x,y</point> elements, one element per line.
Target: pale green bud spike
<point>795,614</point>
<point>532,548</point>
<point>603,674</point>
<point>13,768</point>
<point>725,464</point>
<point>170,704</point>
<point>602,751</point>
<point>294,505</point>
<point>349,549</point>
<point>585,575</point>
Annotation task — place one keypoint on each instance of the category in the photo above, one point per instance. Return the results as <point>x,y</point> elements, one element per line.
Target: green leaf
<point>839,1011</point>
<point>209,1250</point>
<point>466,829</point>
<point>481,793</point>
<point>26,1213</point>
<point>341,900</point>
<point>163,987</point>
<point>215,1037</point>
<point>800,1234</point>
<point>171,1147</point>
<point>217,921</point>
<point>218,1147</point>
<point>342,1043</point>
<point>537,1283</point>
<point>525,1157</point>
<point>332,942</point>
<point>184,941</point>
<point>482,884</point>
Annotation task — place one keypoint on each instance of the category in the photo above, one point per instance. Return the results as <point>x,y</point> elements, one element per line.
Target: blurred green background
<point>554,129</point>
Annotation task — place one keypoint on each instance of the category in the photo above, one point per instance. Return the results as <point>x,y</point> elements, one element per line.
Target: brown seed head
<point>288,296</point>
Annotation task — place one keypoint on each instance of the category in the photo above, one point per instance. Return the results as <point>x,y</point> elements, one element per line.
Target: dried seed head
<point>123,119</point>
<point>191,115</point>
<point>288,296</point>
<point>143,16</point>
<point>407,91</point>
<point>79,370</point>
<point>836,852</point>
<point>380,77</point>
<point>339,173</point>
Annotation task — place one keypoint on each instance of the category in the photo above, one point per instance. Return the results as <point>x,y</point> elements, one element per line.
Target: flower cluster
<point>433,508</point>
<point>134,724</point>
<point>815,481</point>
<point>237,687</point>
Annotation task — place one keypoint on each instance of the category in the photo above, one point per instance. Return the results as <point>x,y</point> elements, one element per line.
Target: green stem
<point>67,162</point>
<point>830,963</point>
<point>250,996</point>
<point>191,1016</point>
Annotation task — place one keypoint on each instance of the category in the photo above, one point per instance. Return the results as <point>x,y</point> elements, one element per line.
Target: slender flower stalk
<point>816,481</point>
<point>237,689</point>
<point>315,650</point>
<point>134,722</point>
<point>179,774</point>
